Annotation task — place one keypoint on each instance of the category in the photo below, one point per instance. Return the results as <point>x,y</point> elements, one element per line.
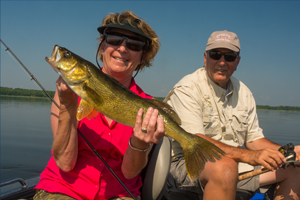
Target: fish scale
<point>120,104</point>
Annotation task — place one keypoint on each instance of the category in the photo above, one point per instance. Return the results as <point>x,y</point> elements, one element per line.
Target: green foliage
<point>24,92</point>
<point>287,108</point>
<point>160,98</point>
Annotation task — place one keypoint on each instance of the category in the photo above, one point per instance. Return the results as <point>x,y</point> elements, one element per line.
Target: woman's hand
<point>147,131</point>
<point>67,97</point>
<point>135,160</point>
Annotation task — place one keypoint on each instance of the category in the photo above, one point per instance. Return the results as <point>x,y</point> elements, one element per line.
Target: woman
<point>127,44</point>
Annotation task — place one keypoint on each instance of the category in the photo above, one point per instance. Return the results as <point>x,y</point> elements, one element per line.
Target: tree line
<point>24,92</point>
<point>287,108</point>
<point>40,93</point>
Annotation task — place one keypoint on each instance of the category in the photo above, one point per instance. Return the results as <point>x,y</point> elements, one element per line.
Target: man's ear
<point>237,62</point>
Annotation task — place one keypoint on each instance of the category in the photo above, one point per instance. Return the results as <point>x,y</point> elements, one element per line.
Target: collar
<point>133,85</point>
<point>218,91</point>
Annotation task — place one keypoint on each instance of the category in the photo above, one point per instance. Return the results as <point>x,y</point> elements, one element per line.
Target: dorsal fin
<point>168,109</point>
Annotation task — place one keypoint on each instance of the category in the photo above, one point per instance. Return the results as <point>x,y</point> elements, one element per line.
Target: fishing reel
<point>289,153</point>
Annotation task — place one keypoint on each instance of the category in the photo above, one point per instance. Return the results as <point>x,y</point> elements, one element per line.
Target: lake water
<point>26,136</point>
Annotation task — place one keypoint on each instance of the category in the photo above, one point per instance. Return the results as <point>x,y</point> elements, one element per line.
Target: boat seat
<point>155,174</point>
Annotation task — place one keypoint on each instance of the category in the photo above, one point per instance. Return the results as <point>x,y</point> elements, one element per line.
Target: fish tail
<point>197,152</point>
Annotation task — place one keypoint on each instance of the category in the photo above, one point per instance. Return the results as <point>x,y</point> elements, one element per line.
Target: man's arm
<point>268,157</point>
<point>262,143</point>
<point>257,144</point>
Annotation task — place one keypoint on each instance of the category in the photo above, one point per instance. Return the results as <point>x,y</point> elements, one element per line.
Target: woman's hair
<point>150,50</point>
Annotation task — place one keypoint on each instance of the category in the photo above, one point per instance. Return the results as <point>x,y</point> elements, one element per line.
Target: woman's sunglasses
<point>216,55</point>
<point>132,43</point>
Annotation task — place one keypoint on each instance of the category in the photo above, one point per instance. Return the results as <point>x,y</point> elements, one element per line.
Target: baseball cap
<point>223,39</point>
<point>124,24</point>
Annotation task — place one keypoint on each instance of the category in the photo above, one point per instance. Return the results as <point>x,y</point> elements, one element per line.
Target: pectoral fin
<point>85,110</point>
<point>93,114</point>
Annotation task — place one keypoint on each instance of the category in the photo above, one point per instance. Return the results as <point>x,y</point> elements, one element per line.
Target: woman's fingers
<point>152,121</point>
<point>149,129</point>
<point>160,129</point>
<point>139,117</point>
<point>146,120</point>
<point>62,85</point>
<point>67,97</point>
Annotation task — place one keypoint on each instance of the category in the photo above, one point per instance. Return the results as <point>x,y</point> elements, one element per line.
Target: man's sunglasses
<point>132,43</point>
<point>216,55</point>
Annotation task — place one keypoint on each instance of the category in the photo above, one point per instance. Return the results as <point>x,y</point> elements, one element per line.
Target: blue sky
<point>268,32</point>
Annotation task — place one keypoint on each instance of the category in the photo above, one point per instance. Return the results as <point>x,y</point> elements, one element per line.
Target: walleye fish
<point>105,94</point>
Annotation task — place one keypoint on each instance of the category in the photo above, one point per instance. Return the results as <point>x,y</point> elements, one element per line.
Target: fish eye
<point>67,54</point>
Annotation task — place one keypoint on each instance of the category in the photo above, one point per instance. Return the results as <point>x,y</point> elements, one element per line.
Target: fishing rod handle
<point>264,170</point>
<point>253,173</point>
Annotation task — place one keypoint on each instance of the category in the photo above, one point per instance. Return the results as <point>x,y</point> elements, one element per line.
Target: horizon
<point>153,96</point>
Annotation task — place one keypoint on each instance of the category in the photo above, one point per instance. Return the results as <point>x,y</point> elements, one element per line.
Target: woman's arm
<point>134,160</point>
<point>64,126</point>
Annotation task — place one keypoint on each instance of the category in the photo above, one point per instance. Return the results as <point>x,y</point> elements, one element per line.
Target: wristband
<point>142,150</point>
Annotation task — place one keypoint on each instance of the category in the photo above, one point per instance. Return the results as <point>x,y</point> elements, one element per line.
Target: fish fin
<point>168,109</point>
<point>85,109</point>
<point>93,114</point>
<point>198,153</point>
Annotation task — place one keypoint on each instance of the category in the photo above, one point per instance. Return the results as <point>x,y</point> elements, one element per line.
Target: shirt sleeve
<point>254,131</point>
<point>187,106</point>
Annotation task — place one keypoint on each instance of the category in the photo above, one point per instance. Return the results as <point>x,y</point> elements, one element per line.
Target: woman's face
<point>119,61</point>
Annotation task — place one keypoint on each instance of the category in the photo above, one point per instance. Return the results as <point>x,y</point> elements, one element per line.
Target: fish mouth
<point>55,57</point>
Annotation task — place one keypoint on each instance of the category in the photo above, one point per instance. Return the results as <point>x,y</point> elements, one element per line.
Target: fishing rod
<point>84,138</point>
<point>32,77</point>
<point>264,170</point>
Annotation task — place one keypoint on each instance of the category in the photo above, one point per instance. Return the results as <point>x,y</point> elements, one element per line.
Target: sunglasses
<point>216,55</point>
<point>132,43</point>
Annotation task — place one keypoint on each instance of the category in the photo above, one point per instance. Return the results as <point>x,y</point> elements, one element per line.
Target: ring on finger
<point>144,129</point>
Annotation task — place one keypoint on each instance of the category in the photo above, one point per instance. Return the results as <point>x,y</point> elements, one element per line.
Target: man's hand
<point>297,150</point>
<point>269,158</point>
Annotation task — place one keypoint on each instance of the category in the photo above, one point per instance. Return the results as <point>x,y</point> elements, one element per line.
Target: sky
<point>269,34</point>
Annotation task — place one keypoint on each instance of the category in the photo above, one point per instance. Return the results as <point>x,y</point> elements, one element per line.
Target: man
<point>221,109</point>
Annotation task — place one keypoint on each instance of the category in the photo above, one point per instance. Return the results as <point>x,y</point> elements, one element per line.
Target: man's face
<point>220,71</point>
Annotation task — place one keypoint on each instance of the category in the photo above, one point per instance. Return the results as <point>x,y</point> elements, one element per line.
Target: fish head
<point>68,65</point>
<point>61,60</point>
